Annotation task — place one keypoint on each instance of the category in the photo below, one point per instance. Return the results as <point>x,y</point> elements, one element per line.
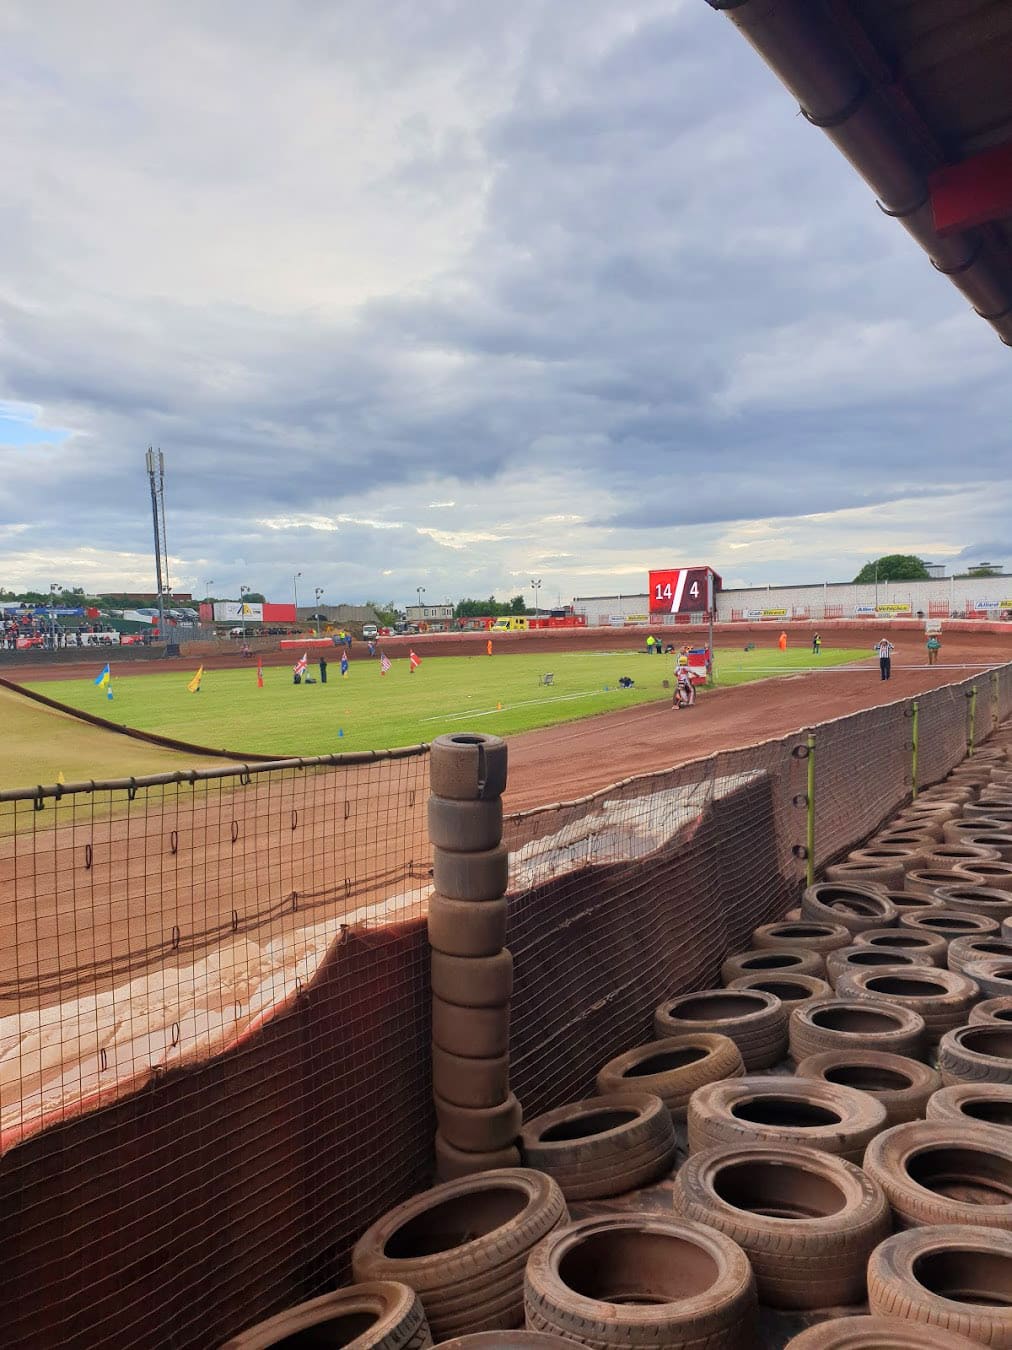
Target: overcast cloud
<point>455,294</point>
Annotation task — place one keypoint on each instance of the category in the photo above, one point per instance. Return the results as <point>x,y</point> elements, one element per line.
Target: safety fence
<point>214,994</point>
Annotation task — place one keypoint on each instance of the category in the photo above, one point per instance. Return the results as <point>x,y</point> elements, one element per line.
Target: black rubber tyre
<point>970,1104</point>
<point>877,1333</point>
<point>467,927</point>
<point>802,936</point>
<point>856,1023</point>
<point>906,856</point>
<point>791,990</point>
<point>970,898</point>
<point>955,831</point>
<point>941,997</point>
<point>601,1146</point>
<point>949,924</point>
<point>452,1163</point>
<point>397,1321</point>
<point>981,1053</point>
<point>473,1083</point>
<point>942,1172</point>
<point>756,1022</point>
<point>771,961</point>
<point>992,975</point>
<point>855,906</point>
<point>625,1281</point>
<point>484,1229</point>
<point>479,1129</point>
<point>849,959</point>
<point>945,1278</point>
<point>927,881</point>
<point>807,1221</point>
<point>881,874</point>
<point>966,951</point>
<point>468,827</point>
<point>672,1069</point>
<point>996,874</point>
<point>997,1010</point>
<point>906,903</point>
<point>478,1032</point>
<point>507,1340</point>
<point>960,855</point>
<point>784,1110</point>
<point>902,1085</point>
<point>473,981</point>
<point>928,948</point>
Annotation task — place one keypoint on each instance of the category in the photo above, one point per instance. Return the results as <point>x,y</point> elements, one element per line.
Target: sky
<point>456,295</point>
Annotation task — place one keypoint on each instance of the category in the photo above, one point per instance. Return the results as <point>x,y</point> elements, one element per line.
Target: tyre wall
<point>194,1141</point>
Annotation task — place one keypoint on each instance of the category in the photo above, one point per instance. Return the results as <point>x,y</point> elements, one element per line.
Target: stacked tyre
<point>472,971</point>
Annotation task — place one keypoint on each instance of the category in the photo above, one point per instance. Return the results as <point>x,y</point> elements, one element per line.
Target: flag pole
<point>709,606</point>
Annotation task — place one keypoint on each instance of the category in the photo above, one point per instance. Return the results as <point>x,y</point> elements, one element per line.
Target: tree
<point>893,567</point>
<point>490,608</point>
<point>388,614</point>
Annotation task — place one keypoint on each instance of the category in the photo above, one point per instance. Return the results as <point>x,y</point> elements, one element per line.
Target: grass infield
<point>501,694</point>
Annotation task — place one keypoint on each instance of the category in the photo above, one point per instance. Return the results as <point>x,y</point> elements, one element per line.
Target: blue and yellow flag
<point>194,685</point>
<point>105,676</point>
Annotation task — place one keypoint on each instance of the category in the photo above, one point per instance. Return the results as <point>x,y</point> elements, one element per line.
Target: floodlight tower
<point>156,478</point>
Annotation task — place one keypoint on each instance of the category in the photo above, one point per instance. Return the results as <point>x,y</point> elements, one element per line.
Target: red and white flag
<point>384,663</point>
<point>415,661</point>
<point>260,672</point>
<point>300,666</point>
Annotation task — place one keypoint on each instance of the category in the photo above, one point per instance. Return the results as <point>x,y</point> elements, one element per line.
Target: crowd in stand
<point>27,631</point>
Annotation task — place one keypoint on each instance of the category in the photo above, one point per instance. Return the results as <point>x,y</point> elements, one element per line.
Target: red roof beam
<point>973,192</point>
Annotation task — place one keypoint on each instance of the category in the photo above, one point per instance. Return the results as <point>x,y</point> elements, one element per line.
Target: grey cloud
<point>644,289</point>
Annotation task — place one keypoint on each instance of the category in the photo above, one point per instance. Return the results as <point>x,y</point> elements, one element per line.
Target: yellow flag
<point>60,778</point>
<point>194,685</point>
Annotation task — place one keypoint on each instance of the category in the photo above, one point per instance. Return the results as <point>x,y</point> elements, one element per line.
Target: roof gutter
<point>812,59</point>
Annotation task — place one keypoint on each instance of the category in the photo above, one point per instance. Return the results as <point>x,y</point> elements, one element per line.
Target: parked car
<point>370,632</point>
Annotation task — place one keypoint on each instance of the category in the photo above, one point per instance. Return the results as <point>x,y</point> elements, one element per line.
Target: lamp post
<point>207,595</point>
<point>243,592</point>
<point>419,591</point>
<point>53,588</point>
<point>295,590</point>
<point>319,597</point>
<point>536,585</point>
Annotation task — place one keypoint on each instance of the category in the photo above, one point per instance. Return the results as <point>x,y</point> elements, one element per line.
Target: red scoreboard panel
<point>682,590</point>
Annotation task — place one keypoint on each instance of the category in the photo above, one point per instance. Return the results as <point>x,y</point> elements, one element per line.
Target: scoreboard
<point>683,590</point>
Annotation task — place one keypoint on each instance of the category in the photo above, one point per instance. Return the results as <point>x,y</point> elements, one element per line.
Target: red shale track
<point>558,763</point>
<point>78,928</point>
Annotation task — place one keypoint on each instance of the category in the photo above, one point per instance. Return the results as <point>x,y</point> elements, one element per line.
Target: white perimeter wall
<point>956,594</point>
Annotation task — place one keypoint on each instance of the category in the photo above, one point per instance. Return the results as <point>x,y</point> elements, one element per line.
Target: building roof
<point>917,95</point>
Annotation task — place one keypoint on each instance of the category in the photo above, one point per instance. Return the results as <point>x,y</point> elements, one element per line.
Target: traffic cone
<point>340,731</point>
<point>498,707</point>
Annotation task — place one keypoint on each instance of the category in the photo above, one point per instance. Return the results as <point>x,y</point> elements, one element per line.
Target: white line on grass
<point>527,703</point>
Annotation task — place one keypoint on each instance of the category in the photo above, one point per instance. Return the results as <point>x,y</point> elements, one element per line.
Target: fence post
<point>995,702</point>
<point>970,730</point>
<point>914,721</point>
<point>478,1116</point>
<point>810,813</point>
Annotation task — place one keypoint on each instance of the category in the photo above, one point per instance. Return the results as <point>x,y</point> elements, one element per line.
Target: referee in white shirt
<point>885,657</point>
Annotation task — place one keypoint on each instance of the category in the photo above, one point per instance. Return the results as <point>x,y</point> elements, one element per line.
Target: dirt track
<point>163,874</point>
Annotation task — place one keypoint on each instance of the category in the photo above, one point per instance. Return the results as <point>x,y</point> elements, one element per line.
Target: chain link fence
<point>214,991</point>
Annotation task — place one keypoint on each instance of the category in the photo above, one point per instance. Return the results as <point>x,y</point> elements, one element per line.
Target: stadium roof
<point>917,94</point>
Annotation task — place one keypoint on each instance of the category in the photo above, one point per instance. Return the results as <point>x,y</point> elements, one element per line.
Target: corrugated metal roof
<point>904,88</point>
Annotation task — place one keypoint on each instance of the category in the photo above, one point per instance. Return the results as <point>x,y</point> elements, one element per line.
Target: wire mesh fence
<point>214,994</point>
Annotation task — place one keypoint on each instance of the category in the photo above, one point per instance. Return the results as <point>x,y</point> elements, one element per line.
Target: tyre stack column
<point>478,1116</point>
